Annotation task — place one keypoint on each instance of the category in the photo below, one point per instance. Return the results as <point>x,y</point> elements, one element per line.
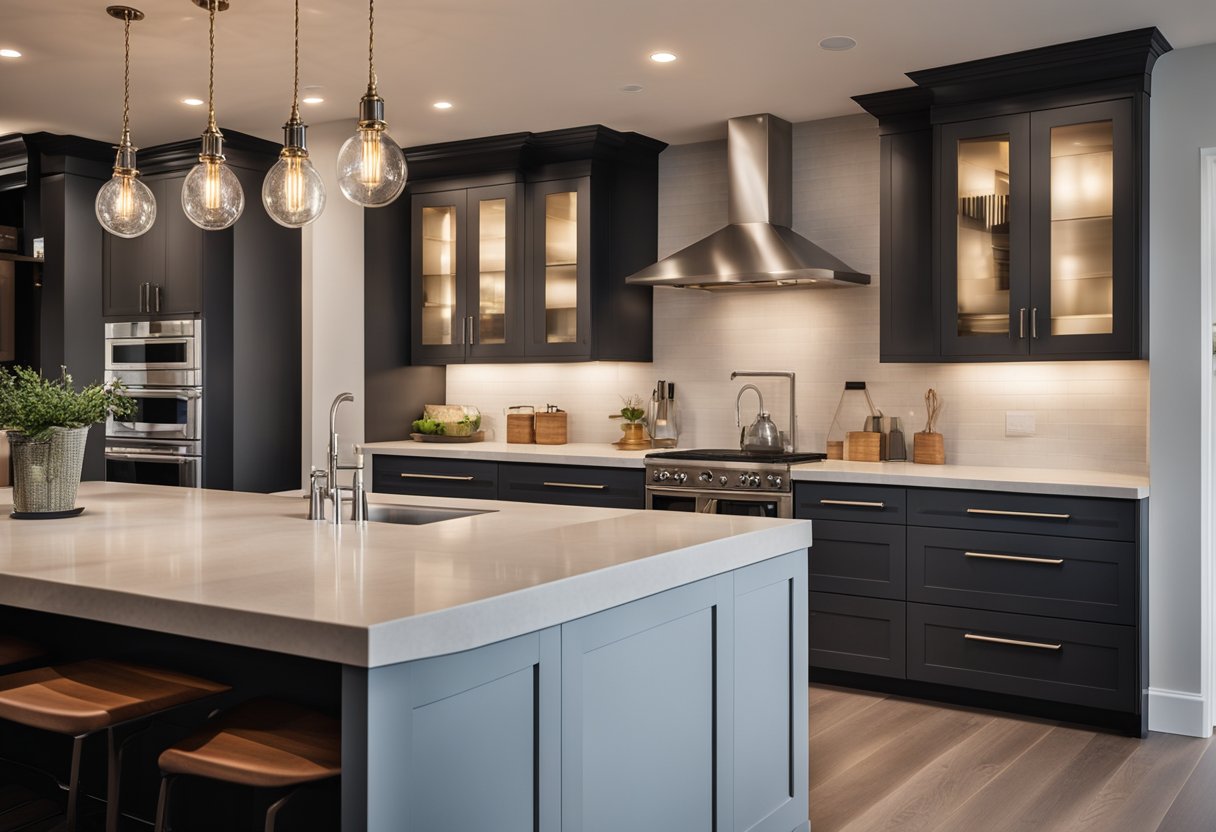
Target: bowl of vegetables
<point>448,423</point>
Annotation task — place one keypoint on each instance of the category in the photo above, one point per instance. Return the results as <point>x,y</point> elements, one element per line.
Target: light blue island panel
<point>680,712</point>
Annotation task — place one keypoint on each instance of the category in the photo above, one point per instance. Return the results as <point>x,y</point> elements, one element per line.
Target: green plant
<point>35,406</point>
<point>428,426</point>
<point>633,411</point>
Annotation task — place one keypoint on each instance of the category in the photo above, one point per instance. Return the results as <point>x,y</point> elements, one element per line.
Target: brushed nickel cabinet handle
<point>854,503</point>
<point>589,486</point>
<point>1022,323</point>
<point>1034,322</point>
<point>1041,515</point>
<point>156,295</point>
<point>1018,558</point>
<point>1040,645</point>
<point>437,477</point>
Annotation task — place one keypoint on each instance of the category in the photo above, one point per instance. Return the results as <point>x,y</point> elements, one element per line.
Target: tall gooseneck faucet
<point>331,489</point>
<point>332,456</point>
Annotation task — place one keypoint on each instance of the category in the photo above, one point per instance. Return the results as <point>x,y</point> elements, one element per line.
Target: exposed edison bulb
<point>371,167</point>
<point>212,196</point>
<point>293,192</point>
<point>125,206</point>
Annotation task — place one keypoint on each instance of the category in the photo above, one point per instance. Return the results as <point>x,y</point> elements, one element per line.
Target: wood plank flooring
<point>884,764</point>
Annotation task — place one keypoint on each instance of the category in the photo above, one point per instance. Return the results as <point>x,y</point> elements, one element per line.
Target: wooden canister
<point>835,449</point>
<point>521,426</point>
<point>863,446</point>
<point>929,448</point>
<point>551,428</point>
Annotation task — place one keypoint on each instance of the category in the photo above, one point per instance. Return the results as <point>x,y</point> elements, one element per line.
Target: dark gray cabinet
<point>434,477</point>
<point>858,635</point>
<point>1033,169</point>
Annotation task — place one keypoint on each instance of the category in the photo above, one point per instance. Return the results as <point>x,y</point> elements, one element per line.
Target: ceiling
<point>522,65</point>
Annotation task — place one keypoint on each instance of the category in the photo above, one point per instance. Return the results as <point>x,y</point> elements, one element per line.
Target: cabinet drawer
<point>434,477</point>
<point>865,503</point>
<point>862,635</point>
<point>858,559</point>
<point>1044,658</point>
<point>1033,513</point>
<point>571,485</point>
<point>1093,580</point>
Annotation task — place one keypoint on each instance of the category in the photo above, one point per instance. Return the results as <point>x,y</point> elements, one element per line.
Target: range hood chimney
<point>757,249</point>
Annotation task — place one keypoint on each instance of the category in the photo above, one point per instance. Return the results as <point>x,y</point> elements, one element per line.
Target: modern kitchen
<point>663,417</point>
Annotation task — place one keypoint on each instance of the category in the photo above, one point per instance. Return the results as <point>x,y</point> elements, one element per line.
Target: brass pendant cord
<point>211,72</point>
<point>371,47</point>
<point>295,84</point>
<point>126,77</point>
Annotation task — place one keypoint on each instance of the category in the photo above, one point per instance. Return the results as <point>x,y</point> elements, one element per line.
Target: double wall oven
<point>161,364</point>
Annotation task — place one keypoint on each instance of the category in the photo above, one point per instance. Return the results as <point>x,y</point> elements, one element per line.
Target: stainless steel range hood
<point>757,249</point>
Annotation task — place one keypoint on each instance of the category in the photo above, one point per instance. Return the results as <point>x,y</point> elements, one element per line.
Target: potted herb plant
<point>48,423</point>
<point>633,414</point>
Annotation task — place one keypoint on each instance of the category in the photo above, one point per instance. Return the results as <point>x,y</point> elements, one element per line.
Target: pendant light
<point>293,192</point>
<point>211,195</point>
<point>371,167</point>
<point>125,206</point>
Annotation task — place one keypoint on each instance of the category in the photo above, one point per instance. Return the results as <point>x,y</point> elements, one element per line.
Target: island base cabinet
<point>682,712</point>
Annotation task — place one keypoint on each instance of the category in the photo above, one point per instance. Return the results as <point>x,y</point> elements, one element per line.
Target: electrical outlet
<point>1019,423</point>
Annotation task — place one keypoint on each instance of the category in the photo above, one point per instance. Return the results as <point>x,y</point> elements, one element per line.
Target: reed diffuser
<point>929,446</point>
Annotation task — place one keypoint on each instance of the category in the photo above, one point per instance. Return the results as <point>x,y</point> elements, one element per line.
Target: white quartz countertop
<point>982,477</point>
<point>248,569</point>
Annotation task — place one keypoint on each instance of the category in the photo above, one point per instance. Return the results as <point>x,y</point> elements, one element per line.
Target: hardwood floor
<point>884,764</point>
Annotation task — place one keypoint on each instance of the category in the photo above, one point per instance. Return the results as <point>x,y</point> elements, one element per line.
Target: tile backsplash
<point>1091,415</point>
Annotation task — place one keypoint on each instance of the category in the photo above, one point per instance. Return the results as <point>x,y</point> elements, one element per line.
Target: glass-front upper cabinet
<point>466,274</point>
<point>561,238</point>
<point>1083,264</point>
<point>984,244</point>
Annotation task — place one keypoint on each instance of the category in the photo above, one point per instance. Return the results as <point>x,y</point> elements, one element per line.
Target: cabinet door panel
<point>984,235</point>
<point>1083,234</point>
<point>434,477</point>
<point>559,278</point>
<point>859,635</point>
<point>438,275</point>
<point>494,286</point>
<point>858,559</point>
<point>910,313</point>
<point>131,263</point>
<point>572,485</point>
<point>182,288</point>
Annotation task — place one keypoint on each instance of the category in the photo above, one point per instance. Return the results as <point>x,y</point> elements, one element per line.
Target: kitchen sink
<point>416,515</point>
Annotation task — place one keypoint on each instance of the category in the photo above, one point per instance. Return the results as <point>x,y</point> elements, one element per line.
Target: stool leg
<point>74,784</point>
<point>113,780</point>
<point>272,813</point>
<point>162,803</point>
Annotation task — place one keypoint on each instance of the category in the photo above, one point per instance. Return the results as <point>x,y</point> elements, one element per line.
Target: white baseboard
<point>1177,712</point>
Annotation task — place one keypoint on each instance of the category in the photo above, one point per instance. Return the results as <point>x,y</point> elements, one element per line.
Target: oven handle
<point>154,393</point>
<point>711,506</point>
<point>180,460</point>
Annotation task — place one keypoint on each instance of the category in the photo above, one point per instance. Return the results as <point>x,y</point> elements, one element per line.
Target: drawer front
<point>1078,662</point>
<point>1029,513</point>
<point>571,485</point>
<point>862,635</point>
<point>1092,580</point>
<point>858,559</point>
<point>434,477</point>
<point>863,503</point>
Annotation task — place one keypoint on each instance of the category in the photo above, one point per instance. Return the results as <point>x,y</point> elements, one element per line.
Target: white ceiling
<point>513,65</point>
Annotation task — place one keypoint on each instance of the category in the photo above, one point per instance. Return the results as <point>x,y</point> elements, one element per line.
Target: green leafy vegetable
<point>430,427</point>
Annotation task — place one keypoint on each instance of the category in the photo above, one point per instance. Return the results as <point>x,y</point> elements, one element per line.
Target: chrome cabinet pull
<point>156,296</point>
<point>589,486</point>
<point>472,334</point>
<point>1040,515</point>
<point>854,503</point>
<point>1022,323</point>
<point>1018,558</point>
<point>437,477</point>
<point>1034,322</point>
<point>1040,645</point>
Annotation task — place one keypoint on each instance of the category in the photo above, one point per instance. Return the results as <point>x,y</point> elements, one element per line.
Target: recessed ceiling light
<point>9,53</point>
<point>632,88</point>
<point>837,43</point>
<point>313,99</point>
<point>662,57</point>
<point>442,105</point>
<point>193,102</point>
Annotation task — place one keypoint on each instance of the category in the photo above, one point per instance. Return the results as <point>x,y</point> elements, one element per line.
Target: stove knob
<point>753,480</point>
<point>776,481</point>
<point>706,476</point>
<point>664,476</point>
<point>655,476</point>
<point>680,477</point>
<point>743,480</point>
<point>722,480</point>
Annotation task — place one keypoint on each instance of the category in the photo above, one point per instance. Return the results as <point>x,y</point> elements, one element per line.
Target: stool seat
<point>83,697</point>
<point>266,743</point>
<point>15,650</point>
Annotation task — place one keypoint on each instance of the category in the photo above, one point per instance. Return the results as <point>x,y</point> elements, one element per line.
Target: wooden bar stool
<point>83,698</point>
<point>264,743</point>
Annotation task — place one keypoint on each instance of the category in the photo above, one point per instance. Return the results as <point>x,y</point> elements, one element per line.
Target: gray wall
<point>1183,122</point>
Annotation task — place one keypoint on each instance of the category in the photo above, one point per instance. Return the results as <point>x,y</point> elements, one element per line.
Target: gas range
<point>723,470</point>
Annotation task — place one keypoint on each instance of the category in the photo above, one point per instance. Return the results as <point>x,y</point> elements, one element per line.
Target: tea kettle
<point>762,435</point>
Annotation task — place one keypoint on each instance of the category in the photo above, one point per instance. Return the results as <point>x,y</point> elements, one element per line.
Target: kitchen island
<point>528,667</point>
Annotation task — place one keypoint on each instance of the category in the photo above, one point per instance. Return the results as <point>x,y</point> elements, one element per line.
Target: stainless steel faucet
<point>331,488</point>
<point>793,437</point>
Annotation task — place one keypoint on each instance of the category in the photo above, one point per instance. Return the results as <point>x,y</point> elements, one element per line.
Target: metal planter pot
<point>46,473</point>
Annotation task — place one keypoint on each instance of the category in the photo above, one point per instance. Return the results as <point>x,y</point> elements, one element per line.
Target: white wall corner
<point>1178,712</point>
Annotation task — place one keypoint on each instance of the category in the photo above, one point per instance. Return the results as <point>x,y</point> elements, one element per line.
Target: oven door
<point>162,353</point>
<point>149,464</point>
<point>161,413</point>
<point>724,502</point>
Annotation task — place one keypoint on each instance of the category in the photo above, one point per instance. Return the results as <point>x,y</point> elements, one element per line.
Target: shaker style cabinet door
<point>559,258</point>
<point>438,276</point>
<point>494,242</point>
<point>181,292</point>
<point>131,266</point>
<point>1084,235</point>
<point>984,236</point>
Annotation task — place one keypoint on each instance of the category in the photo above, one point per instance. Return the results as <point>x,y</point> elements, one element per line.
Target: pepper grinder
<point>897,448</point>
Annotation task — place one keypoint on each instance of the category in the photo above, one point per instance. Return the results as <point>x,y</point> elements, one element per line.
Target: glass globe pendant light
<point>371,166</point>
<point>211,195</point>
<point>293,192</point>
<point>125,206</point>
